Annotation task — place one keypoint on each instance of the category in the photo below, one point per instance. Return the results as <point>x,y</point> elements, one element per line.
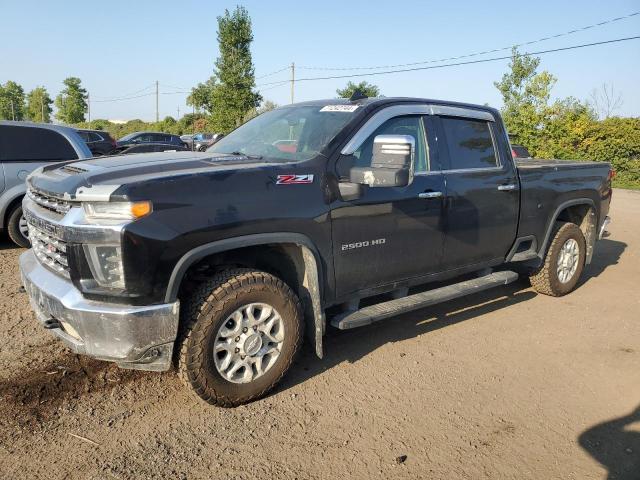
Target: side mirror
<point>391,162</point>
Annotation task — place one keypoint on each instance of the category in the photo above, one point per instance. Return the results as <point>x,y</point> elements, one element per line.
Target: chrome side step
<point>380,311</point>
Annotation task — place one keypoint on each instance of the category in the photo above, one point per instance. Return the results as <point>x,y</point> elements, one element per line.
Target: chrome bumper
<point>132,336</point>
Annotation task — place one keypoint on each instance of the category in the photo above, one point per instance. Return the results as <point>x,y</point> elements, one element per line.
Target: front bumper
<point>139,337</point>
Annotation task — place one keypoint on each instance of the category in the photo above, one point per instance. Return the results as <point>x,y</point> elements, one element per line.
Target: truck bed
<point>548,184</point>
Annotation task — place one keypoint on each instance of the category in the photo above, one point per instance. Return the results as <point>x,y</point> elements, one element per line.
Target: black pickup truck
<point>341,212</point>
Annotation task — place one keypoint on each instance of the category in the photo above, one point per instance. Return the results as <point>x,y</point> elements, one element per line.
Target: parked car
<point>518,151</point>
<point>225,260</point>
<point>188,140</point>
<point>201,141</point>
<point>98,141</point>
<point>148,147</point>
<point>25,146</point>
<point>150,137</point>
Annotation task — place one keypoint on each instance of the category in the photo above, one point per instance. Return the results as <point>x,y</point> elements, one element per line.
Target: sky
<point>120,49</point>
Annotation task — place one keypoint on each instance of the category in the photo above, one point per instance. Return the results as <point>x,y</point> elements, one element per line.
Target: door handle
<point>430,195</point>
<point>507,188</point>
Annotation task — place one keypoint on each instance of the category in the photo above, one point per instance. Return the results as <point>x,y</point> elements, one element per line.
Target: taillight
<point>513,153</point>
<point>612,174</point>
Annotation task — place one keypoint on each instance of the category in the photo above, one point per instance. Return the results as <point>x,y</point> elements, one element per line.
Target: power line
<point>124,98</point>
<point>172,86</point>
<point>273,73</point>
<point>570,32</point>
<point>127,94</point>
<point>469,62</point>
<point>279,84</point>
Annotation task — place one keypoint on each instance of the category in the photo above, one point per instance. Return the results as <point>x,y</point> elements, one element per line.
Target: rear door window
<point>470,143</point>
<point>34,144</point>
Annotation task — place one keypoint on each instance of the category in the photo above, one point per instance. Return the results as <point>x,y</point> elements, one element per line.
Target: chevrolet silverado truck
<point>220,261</point>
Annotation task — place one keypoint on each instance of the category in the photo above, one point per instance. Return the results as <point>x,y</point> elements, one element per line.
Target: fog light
<point>105,263</point>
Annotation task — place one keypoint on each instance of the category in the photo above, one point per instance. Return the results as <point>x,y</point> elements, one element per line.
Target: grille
<point>50,203</point>
<point>50,251</point>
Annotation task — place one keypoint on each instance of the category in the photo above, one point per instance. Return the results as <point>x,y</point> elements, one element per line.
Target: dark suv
<point>150,137</point>
<point>98,141</point>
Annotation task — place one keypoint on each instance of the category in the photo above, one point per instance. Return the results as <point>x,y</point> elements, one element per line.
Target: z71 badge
<point>294,179</point>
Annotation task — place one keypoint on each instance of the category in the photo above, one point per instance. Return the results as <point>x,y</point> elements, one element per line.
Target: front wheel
<point>17,227</point>
<point>242,330</point>
<point>563,263</point>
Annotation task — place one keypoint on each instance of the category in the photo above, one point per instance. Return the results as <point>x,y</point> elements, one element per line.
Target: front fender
<point>310,279</point>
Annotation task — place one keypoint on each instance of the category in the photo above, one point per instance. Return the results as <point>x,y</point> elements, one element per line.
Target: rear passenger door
<point>482,190</point>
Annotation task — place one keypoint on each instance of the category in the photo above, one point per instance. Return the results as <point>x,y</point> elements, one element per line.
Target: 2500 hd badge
<point>366,243</point>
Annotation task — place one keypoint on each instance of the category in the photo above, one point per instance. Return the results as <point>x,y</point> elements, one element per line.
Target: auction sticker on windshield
<point>339,108</point>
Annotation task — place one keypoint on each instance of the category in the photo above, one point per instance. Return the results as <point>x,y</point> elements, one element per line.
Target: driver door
<point>390,234</point>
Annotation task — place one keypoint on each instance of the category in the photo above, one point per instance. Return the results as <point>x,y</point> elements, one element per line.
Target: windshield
<point>128,137</point>
<point>289,133</point>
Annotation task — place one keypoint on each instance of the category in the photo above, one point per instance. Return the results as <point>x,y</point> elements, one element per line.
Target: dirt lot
<point>506,384</point>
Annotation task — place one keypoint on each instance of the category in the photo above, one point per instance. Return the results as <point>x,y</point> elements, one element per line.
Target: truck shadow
<point>616,446</point>
<point>353,345</point>
<point>607,252</point>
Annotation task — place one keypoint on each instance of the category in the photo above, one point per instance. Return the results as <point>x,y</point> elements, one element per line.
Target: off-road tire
<point>205,310</point>
<point>546,280</point>
<point>13,228</point>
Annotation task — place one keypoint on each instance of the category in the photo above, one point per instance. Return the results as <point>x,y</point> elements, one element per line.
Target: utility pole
<point>42,109</point>
<point>178,112</point>
<point>89,106</point>
<point>13,112</point>
<point>293,78</point>
<point>157,114</point>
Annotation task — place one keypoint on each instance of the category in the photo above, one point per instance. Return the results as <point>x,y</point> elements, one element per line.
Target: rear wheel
<point>242,330</point>
<point>17,227</point>
<point>563,263</point>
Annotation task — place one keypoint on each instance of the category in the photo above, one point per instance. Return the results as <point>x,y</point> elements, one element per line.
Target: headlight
<point>116,210</point>
<point>105,263</point>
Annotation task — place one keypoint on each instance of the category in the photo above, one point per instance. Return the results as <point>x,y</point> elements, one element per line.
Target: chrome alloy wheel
<point>23,227</point>
<point>248,343</point>
<point>568,260</point>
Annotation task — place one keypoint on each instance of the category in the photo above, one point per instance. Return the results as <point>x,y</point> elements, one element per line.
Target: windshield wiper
<point>252,157</point>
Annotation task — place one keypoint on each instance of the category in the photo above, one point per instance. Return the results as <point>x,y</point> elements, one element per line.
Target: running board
<point>380,311</point>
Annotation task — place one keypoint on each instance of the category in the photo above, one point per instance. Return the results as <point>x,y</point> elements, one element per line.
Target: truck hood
<point>99,177</point>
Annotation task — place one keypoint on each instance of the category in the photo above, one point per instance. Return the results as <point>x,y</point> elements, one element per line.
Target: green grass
<point>627,184</point>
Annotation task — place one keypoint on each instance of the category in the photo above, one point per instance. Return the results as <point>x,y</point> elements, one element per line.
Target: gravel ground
<point>504,384</point>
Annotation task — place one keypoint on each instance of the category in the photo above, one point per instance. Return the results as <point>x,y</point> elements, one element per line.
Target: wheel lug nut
<point>255,329</point>
<point>237,339</point>
<point>242,357</point>
<point>237,350</point>
<point>244,330</point>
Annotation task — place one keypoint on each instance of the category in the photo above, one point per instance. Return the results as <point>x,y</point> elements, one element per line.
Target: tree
<point>605,100</point>
<point>525,94</point>
<point>265,106</point>
<point>568,128</point>
<point>201,96</point>
<point>233,95</point>
<point>11,101</point>
<point>39,105</point>
<point>367,89</point>
<point>71,102</point>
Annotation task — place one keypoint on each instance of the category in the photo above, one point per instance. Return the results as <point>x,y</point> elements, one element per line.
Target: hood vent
<point>72,170</point>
